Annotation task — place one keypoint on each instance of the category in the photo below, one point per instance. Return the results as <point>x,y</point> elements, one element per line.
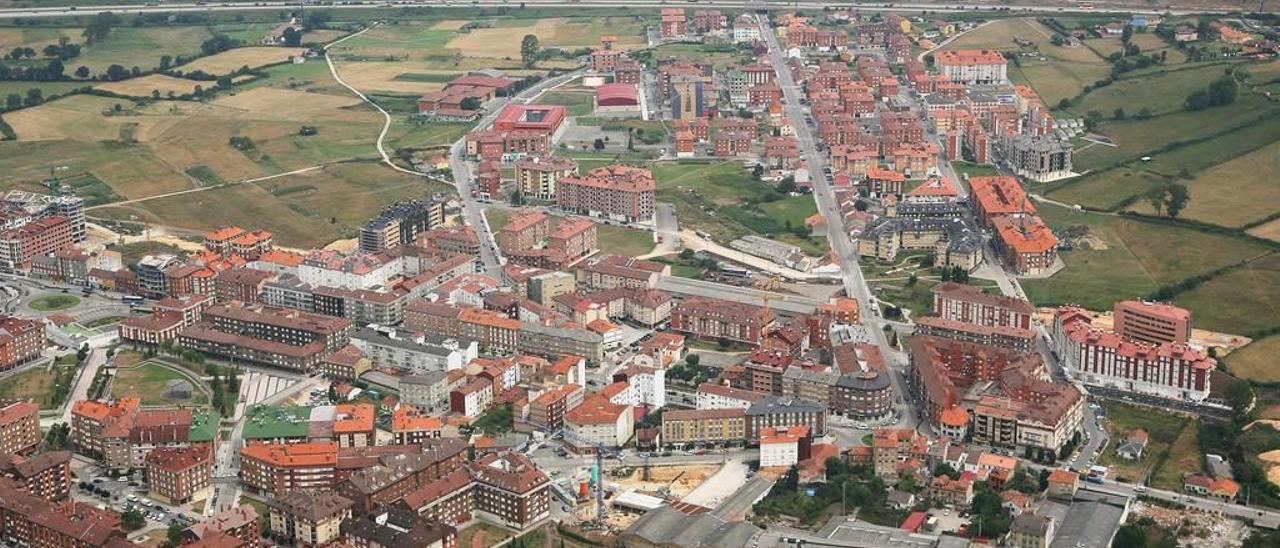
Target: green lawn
<point>148,382</point>
<point>578,103</point>
<point>497,420</point>
<point>624,241</point>
<point>1136,258</point>
<point>52,303</point>
<point>973,170</point>
<point>46,386</point>
<point>791,211</point>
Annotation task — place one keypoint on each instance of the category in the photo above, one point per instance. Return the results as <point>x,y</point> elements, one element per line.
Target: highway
<point>68,10</point>
<point>855,285</point>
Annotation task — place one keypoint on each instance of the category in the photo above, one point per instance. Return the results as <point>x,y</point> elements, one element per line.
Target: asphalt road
<point>855,285</point>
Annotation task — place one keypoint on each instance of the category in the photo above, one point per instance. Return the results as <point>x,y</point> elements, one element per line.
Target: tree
<point>598,145</point>
<point>945,469</point>
<point>860,205</point>
<point>174,534</point>
<point>1064,104</point>
<point>1240,397</point>
<point>1130,536</point>
<point>693,360</point>
<point>1126,35</point>
<point>1092,118</point>
<point>1178,198</point>
<point>133,519</point>
<point>470,103</point>
<point>292,37</point>
<point>34,97</point>
<point>529,50</point>
<point>1118,114</point>
<point>912,279</point>
<point>13,102</point>
<point>99,27</point>
<point>787,185</point>
<point>82,72</point>
<point>166,61</point>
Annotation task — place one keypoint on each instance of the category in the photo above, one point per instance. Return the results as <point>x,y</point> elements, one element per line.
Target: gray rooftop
<point>1091,521</point>
<point>770,405</point>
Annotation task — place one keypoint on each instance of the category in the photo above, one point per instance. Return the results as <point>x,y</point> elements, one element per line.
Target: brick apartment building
<point>21,340</point>
<point>1153,323</point>
<point>617,192</point>
<point>178,475</point>
<point>281,468</point>
<point>29,520</point>
<point>46,475</point>
<point>524,230</point>
<point>1105,358</point>
<point>966,303</point>
<point>716,319</point>
<point>18,246</point>
<point>19,428</point>
<point>240,522</point>
<point>285,338</point>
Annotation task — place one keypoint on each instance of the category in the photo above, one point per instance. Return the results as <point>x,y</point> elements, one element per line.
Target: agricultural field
<point>1131,258</point>
<point>145,86</point>
<point>1247,201</point>
<point>613,239</point>
<point>1256,361</point>
<point>304,210</point>
<point>231,60</point>
<point>1243,301</point>
<point>1161,92</point>
<point>139,46</point>
<point>502,40</point>
<point>1269,230</point>
<point>720,56</point>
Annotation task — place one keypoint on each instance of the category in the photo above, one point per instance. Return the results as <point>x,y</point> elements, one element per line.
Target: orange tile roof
<point>969,57</point>
<point>595,410</point>
<point>282,258</point>
<point>409,418</point>
<point>1000,195</point>
<point>1026,234</point>
<point>353,418</point>
<point>296,454</point>
<point>99,410</point>
<point>954,416</point>
<point>224,233</point>
<point>487,318</point>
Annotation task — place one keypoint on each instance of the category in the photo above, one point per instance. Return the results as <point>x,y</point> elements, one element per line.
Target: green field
<point>53,303</point>
<point>578,103</point>
<point>1256,361</point>
<point>1250,191</point>
<point>1160,92</point>
<point>1171,446</point>
<point>46,386</point>
<point>1243,301</point>
<point>791,211</point>
<point>309,209</point>
<point>1133,258</point>
<point>624,241</point>
<point>148,382</point>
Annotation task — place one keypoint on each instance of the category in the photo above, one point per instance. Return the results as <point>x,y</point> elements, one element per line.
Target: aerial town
<point>586,274</point>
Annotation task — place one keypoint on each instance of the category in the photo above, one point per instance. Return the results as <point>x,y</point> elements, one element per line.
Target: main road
<point>855,285</point>
<point>69,9</point>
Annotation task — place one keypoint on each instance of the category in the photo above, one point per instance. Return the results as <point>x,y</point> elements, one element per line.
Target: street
<point>855,285</point>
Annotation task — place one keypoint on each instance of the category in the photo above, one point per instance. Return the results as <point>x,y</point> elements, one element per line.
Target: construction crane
<point>599,466</point>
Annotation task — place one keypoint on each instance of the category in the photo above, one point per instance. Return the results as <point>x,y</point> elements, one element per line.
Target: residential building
<point>610,271</point>
<point>19,428</point>
<point>715,319</point>
<point>239,523</point>
<point>969,304</point>
<point>308,518</point>
<point>1041,158</point>
<point>597,421</point>
<point>536,176</point>
<point>775,412</point>
<point>1026,244</point>
<point>33,521</point>
<point>1152,323</point>
<point>40,237</point>
<point>704,426</point>
<point>784,447</point>
<point>278,469</point>
<point>1030,531</point>
<point>510,490</point>
<point>179,475</point>
<point>1104,358</point>
<point>397,527</point>
<point>399,224</point>
<point>428,390</point>
<point>46,475</point>
<point>972,67</point>
<point>617,192</point>
<point>413,353</point>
